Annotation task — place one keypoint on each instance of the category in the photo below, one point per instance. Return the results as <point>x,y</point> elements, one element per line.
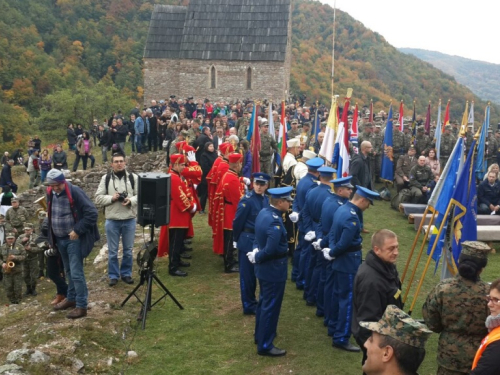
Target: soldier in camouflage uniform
<point>398,142</point>
<point>366,134</point>
<point>455,129</point>
<point>447,143</point>
<point>12,277</point>
<point>31,267</point>
<point>403,167</point>
<point>377,141</point>
<point>491,148</point>
<point>469,137</point>
<point>15,218</point>
<point>408,137</point>
<point>181,137</point>
<point>422,142</point>
<point>404,335</point>
<point>243,129</point>
<point>267,148</point>
<point>294,131</point>
<point>420,176</point>
<point>456,309</point>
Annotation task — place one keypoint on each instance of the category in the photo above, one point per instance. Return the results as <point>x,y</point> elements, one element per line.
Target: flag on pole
<point>255,143</point>
<point>341,157</point>
<point>253,118</point>
<point>328,145</point>
<point>465,117</point>
<point>371,111</point>
<point>446,120</point>
<point>414,125</point>
<point>387,170</point>
<point>280,155</point>
<point>470,119</point>
<point>481,165</point>
<point>270,121</point>
<point>439,130</point>
<point>428,120</point>
<point>401,116</point>
<point>354,127</point>
<point>344,138</point>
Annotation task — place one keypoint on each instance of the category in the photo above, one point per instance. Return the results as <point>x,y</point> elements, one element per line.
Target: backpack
<point>404,196</point>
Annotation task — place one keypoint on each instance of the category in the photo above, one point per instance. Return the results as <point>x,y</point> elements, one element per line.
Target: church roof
<point>248,30</point>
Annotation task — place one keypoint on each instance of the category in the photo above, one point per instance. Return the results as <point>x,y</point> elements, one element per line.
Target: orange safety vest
<point>490,337</point>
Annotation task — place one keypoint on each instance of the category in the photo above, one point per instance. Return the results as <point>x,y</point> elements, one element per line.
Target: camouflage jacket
<point>15,218</point>
<point>29,245</point>
<point>456,309</point>
<point>293,133</point>
<point>398,142</point>
<point>377,141</point>
<point>422,144</point>
<point>447,144</point>
<point>243,131</point>
<point>420,176</point>
<point>491,147</point>
<point>19,256</point>
<point>267,146</point>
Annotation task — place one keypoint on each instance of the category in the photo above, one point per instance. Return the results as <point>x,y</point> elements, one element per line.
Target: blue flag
<point>481,166</point>
<point>252,124</point>
<point>387,170</point>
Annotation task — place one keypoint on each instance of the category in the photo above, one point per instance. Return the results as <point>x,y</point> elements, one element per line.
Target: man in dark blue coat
<point>270,258</point>
<point>310,217</point>
<point>301,255</point>
<point>345,252</point>
<point>6,176</point>
<point>488,195</point>
<point>244,236</point>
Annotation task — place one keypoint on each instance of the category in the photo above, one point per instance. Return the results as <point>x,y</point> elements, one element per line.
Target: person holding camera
<point>117,192</point>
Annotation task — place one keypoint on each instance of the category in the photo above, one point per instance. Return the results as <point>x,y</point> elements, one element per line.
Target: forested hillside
<point>67,61</point>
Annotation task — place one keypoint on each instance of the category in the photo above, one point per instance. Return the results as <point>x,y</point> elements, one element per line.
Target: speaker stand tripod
<point>148,274</point>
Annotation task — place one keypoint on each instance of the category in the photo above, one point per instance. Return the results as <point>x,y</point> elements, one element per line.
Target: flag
<point>255,143</point>
<point>465,117</point>
<point>317,123</point>
<point>280,155</point>
<point>371,111</point>
<point>413,125</point>
<point>328,145</point>
<point>481,165</point>
<point>428,120</point>
<point>387,170</point>
<point>439,130</point>
<point>446,115</point>
<point>253,118</point>
<point>342,140</point>
<point>354,127</point>
<point>470,119</point>
<point>270,121</point>
<point>464,222</point>
<point>401,118</point>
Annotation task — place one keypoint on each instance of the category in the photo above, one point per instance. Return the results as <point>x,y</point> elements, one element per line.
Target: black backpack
<point>130,178</point>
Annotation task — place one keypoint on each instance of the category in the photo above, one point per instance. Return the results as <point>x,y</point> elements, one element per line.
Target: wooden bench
<point>485,233</point>
<point>415,219</point>
<point>411,208</point>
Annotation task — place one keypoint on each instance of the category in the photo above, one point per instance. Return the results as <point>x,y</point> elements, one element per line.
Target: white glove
<point>191,156</point>
<point>251,255</point>
<point>194,209</point>
<point>326,254</point>
<point>195,186</point>
<point>317,245</point>
<point>235,244</point>
<point>246,180</point>
<point>310,236</point>
<point>50,252</point>
<point>294,217</point>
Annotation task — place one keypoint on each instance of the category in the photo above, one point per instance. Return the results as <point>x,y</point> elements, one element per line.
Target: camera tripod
<point>148,274</point>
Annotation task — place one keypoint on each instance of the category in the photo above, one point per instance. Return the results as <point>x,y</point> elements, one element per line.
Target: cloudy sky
<point>468,29</point>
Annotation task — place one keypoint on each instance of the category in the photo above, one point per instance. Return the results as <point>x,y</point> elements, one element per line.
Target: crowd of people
<point>259,220</point>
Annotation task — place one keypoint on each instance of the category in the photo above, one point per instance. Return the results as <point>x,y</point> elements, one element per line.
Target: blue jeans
<point>44,174</point>
<point>138,142</point>
<point>73,267</point>
<point>115,229</point>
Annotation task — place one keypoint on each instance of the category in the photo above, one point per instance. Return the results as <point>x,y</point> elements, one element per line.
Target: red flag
<point>401,114</point>
<point>354,127</point>
<point>371,111</point>
<point>282,133</point>
<point>255,144</point>
<point>446,116</point>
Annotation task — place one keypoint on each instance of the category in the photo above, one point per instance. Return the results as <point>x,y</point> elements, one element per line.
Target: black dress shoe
<point>184,264</point>
<point>347,347</point>
<point>232,269</point>
<point>128,279</point>
<point>34,292</point>
<point>308,303</point>
<point>113,282</point>
<point>178,273</point>
<point>186,256</point>
<point>274,352</point>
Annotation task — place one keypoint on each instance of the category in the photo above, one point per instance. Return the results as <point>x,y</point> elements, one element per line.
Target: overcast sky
<point>468,29</point>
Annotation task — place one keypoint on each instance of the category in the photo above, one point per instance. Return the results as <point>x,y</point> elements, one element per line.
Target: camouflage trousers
<point>30,271</point>
<point>265,166</point>
<point>13,284</point>
<point>444,371</point>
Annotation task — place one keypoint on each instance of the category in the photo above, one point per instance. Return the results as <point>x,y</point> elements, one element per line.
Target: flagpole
<point>333,42</point>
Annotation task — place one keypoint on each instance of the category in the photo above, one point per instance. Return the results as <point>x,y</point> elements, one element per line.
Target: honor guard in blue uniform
<point>345,251</point>
<point>310,217</point>
<point>342,190</point>
<point>244,236</point>
<point>301,255</point>
<point>270,258</point>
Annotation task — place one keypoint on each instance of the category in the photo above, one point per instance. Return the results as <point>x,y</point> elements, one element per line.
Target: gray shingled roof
<point>248,30</point>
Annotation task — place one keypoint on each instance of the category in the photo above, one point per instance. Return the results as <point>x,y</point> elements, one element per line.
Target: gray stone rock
<point>17,355</point>
<point>77,365</point>
<point>39,357</point>
<point>131,354</point>
<point>10,369</point>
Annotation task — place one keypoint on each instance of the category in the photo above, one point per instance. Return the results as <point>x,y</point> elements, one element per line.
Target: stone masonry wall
<point>165,77</point>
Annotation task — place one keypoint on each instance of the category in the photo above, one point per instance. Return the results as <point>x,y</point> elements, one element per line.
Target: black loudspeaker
<point>153,204</point>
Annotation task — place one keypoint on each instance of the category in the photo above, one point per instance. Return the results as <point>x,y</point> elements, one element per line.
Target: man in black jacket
<point>360,167</point>
<point>105,142</point>
<point>488,195</point>
<point>376,285</point>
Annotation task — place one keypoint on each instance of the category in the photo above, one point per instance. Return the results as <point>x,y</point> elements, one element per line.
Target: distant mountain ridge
<point>483,78</point>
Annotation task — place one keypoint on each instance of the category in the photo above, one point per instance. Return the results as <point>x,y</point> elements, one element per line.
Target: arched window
<point>213,78</point>
<point>249,78</point>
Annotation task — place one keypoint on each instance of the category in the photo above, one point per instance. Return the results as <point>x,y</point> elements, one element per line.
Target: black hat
<point>172,96</point>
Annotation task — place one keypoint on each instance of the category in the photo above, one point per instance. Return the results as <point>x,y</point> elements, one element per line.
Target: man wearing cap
<point>267,149</point>
<point>181,209</point>
<point>446,147</point>
<point>294,129</point>
<point>117,193</point>
<point>15,217</point>
<point>403,167</point>
<point>300,169</point>
<point>73,232</point>
<point>376,284</point>
<point>377,141</point>
<point>396,345</point>
<point>12,276</point>
<point>292,152</point>
<point>310,218</point>
<point>190,107</point>
<point>229,192</point>
<point>456,309</point>
<point>270,258</point>
<point>244,236</point>
<point>301,253</point>
<point>345,251</point>
<point>422,141</point>
<point>342,190</point>
<point>360,166</point>
<point>31,268</point>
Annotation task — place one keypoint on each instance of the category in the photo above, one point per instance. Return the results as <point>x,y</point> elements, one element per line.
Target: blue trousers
<point>310,286</point>
<point>342,306</point>
<point>114,230</point>
<point>304,262</point>
<point>73,267</point>
<point>138,142</point>
<point>296,261</point>
<point>318,283</point>
<point>328,297</point>
<point>268,312</point>
<point>248,283</point>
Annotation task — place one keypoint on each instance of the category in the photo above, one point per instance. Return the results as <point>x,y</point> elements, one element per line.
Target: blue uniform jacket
<point>330,206</point>
<point>311,212</point>
<point>305,184</point>
<point>270,238</point>
<point>345,239</point>
<point>244,220</point>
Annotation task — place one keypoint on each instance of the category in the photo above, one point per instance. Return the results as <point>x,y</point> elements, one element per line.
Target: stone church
<point>219,49</point>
